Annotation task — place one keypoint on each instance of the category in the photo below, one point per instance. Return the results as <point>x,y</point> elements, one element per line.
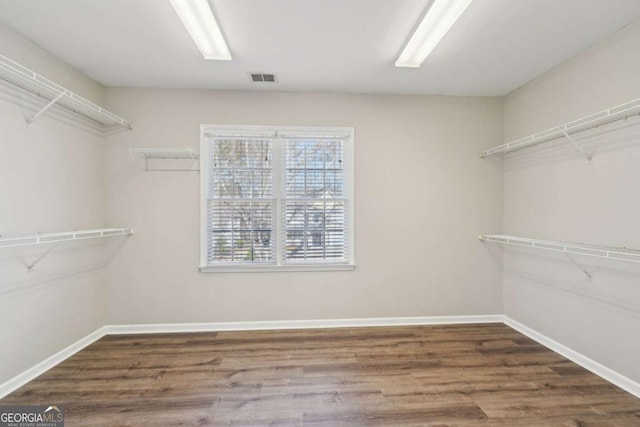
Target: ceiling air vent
<point>260,77</point>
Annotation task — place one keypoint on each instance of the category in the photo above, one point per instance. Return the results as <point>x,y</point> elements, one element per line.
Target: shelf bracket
<point>41,257</point>
<point>579,266</point>
<point>576,146</point>
<point>46,107</point>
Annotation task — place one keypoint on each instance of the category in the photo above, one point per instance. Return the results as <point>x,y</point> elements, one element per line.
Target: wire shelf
<point>17,75</point>
<point>620,254</point>
<point>40,238</point>
<point>610,115</point>
<point>165,153</point>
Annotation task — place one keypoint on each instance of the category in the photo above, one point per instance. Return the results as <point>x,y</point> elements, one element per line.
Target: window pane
<point>240,168</point>
<point>240,231</point>
<point>314,168</point>
<point>315,230</point>
<point>314,208</point>
<point>262,185</point>
<point>240,204</point>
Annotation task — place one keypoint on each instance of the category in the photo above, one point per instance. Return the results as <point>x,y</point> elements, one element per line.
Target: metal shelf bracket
<point>41,257</point>
<point>577,147</point>
<point>581,268</point>
<point>46,107</point>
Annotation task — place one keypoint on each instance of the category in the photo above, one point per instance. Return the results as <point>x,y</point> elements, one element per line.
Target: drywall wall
<point>51,179</point>
<point>421,195</point>
<point>18,49</point>
<point>553,193</point>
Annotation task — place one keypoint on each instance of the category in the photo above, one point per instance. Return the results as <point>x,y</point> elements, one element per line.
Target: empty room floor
<point>482,374</point>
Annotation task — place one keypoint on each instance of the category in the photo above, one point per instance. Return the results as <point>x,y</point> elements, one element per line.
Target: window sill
<point>275,268</point>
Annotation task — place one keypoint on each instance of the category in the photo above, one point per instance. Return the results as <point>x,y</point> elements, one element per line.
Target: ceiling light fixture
<point>197,16</point>
<point>437,21</point>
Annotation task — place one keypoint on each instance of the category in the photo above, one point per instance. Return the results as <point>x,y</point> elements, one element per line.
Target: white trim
<point>278,188</point>
<point>271,131</point>
<point>298,324</point>
<point>42,367</point>
<point>263,268</point>
<point>204,172</point>
<point>602,371</point>
<point>350,191</point>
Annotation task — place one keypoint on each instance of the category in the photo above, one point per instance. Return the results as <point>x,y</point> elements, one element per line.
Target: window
<point>276,198</point>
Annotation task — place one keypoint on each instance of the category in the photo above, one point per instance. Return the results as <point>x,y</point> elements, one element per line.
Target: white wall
<point>30,55</point>
<point>552,193</point>
<point>422,195</point>
<point>51,179</point>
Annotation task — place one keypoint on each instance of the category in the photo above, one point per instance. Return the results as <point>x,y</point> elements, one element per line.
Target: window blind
<point>240,203</point>
<point>314,206</point>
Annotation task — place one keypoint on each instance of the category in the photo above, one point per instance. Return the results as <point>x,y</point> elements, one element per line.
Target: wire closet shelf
<point>19,76</point>
<point>64,236</point>
<point>620,254</point>
<point>610,115</point>
<point>165,153</point>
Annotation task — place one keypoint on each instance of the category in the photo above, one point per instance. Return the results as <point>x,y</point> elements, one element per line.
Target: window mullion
<point>305,235</point>
<point>324,209</point>
<point>233,204</point>
<point>278,160</point>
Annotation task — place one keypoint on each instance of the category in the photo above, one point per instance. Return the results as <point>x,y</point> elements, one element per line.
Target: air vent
<point>261,77</point>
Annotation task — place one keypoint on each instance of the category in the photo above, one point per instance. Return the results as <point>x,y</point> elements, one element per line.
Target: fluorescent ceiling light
<point>197,16</point>
<point>438,20</point>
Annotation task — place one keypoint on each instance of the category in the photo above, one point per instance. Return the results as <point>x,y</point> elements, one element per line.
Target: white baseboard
<point>297,324</point>
<point>602,371</point>
<point>42,367</point>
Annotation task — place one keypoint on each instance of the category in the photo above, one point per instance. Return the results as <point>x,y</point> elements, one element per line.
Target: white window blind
<point>314,214</point>
<point>279,198</point>
<point>240,208</point>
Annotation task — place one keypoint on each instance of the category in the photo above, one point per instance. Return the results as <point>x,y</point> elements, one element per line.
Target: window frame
<point>279,165</point>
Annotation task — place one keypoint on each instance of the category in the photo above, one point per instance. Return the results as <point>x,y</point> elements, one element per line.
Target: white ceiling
<point>321,45</point>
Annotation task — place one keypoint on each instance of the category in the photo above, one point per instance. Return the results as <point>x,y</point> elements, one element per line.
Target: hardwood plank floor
<point>462,375</point>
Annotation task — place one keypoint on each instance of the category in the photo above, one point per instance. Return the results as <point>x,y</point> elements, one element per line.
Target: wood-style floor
<point>393,376</point>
